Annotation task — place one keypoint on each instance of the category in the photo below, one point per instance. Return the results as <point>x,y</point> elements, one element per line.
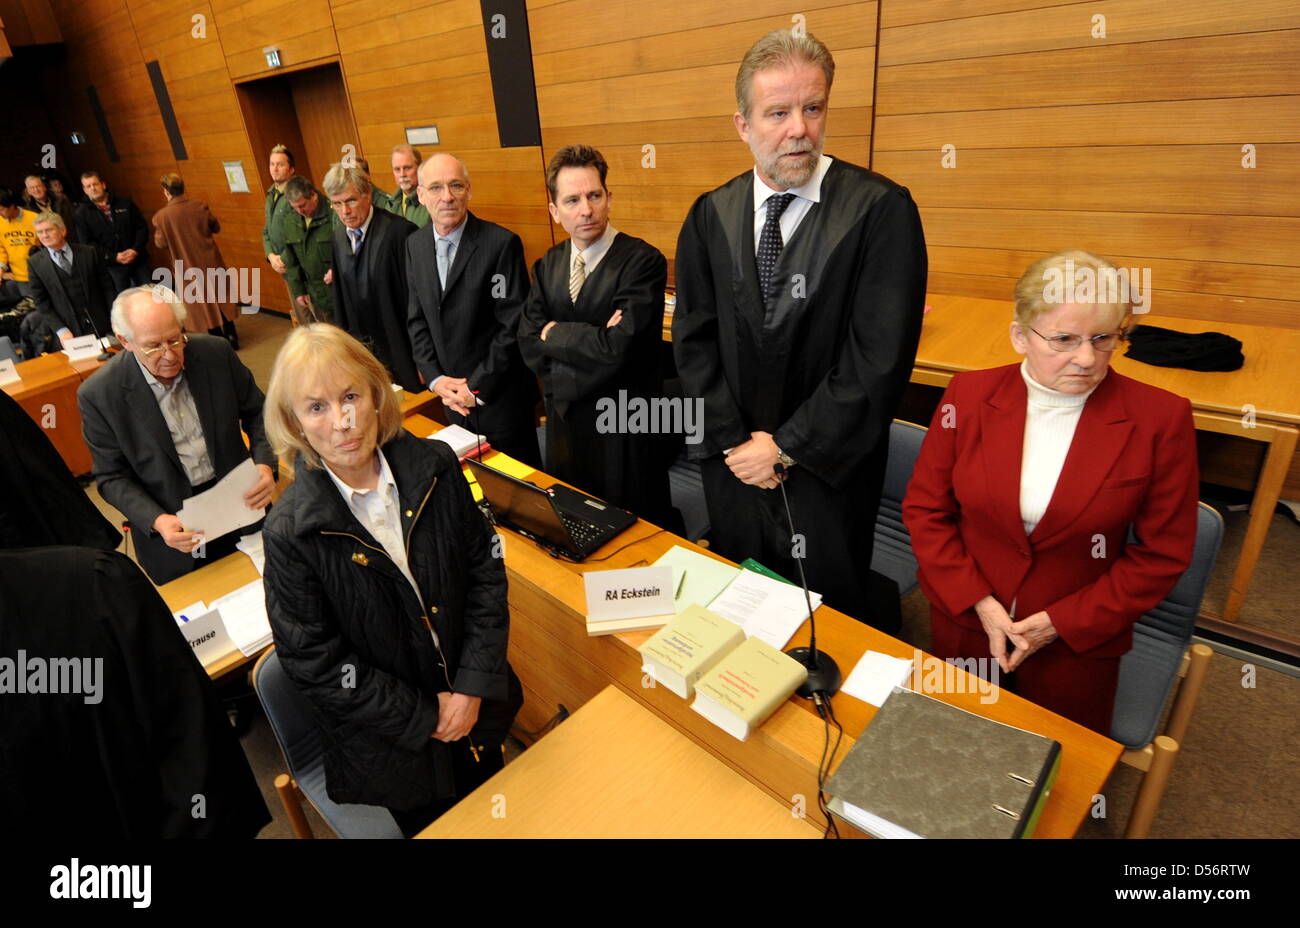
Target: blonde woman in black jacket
<point>388,609</point>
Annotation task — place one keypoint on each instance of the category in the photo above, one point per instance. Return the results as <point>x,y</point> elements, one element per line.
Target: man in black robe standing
<point>590,330</point>
<point>800,290</point>
<point>369,273</point>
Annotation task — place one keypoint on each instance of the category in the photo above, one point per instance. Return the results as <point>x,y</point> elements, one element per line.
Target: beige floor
<point>1235,776</point>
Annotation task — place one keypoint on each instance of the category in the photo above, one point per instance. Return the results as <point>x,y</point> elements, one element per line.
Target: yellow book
<point>746,687</point>
<point>687,648</point>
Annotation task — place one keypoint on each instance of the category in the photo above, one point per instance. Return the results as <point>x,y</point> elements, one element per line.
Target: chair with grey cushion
<point>293,722</point>
<point>892,554</point>
<point>1152,670</point>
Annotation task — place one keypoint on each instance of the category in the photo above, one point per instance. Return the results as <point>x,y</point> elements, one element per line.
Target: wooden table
<point>617,770</point>
<point>1260,402</point>
<point>559,664</point>
<point>48,393</point>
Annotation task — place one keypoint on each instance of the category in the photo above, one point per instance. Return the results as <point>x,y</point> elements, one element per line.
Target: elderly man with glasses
<point>369,273</point>
<point>166,419</point>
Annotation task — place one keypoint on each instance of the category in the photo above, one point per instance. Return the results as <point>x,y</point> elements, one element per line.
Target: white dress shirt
<point>804,198</point>
<point>182,417</point>
<point>594,252</point>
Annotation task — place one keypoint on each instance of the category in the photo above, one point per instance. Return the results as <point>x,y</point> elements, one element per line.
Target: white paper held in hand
<point>221,510</point>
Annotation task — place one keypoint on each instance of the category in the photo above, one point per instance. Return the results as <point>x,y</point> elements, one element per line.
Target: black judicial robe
<point>370,295</point>
<point>821,367</point>
<point>583,361</point>
<point>155,756</point>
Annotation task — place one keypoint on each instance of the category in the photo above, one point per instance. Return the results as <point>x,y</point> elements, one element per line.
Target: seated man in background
<point>468,282</point>
<point>591,329</point>
<point>308,234</point>
<point>17,238</point>
<point>71,287</point>
<point>163,421</point>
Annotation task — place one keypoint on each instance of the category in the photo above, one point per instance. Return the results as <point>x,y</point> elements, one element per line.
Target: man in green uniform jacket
<point>308,256</point>
<point>405,200</point>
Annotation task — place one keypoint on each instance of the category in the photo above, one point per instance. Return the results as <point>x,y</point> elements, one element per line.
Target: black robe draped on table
<point>582,361</point>
<point>370,293</point>
<point>821,367</point>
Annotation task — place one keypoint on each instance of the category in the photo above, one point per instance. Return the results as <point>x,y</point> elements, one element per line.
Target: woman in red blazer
<point>1025,489</point>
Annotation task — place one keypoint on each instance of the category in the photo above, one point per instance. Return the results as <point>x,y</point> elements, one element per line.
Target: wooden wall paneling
<point>425,63</point>
<point>1228,121</point>
<point>28,22</point>
<point>1252,65</point>
<point>1071,26</point>
<point>664,76</point>
<point>303,31</point>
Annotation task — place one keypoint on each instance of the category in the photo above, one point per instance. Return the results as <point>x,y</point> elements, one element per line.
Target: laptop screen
<point>519,503</point>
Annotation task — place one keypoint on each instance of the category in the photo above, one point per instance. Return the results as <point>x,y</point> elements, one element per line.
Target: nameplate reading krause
<point>628,593</point>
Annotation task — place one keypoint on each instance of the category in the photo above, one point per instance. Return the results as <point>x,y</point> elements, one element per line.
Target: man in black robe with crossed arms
<point>800,289</point>
<point>591,328</point>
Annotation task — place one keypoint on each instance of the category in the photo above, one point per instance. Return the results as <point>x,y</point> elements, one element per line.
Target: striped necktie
<point>578,276</point>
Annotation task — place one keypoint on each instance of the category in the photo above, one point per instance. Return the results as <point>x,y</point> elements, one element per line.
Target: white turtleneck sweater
<point>1050,420</point>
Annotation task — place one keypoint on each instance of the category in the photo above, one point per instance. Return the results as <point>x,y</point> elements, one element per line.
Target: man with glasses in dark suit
<point>163,421</point>
<point>468,282</point>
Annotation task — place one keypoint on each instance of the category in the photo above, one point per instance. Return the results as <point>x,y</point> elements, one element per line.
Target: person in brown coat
<point>185,227</point>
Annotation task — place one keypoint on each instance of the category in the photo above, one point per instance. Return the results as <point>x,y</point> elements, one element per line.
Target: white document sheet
<point>763,607</point>
<point>243,612</point>
<point>221,510</point>
<point>875,676</point>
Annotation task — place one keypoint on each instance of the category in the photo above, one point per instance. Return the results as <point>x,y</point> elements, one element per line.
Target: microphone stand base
<point>823,673</point>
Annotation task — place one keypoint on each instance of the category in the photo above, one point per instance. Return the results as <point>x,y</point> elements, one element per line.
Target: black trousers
<point>837,529</point>
<point>469,774</point>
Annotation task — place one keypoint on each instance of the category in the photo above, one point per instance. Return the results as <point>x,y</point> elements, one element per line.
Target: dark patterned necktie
<point>770,242</point>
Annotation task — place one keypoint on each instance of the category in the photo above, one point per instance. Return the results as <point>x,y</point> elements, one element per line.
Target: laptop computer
<point>560,518</point>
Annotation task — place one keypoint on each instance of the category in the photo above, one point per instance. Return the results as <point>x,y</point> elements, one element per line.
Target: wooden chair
<point>1164,661</point>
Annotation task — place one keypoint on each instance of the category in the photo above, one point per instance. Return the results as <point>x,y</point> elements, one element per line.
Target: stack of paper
<point>463,442</point>
<point>243,612</point>
<point>765,608</point>
<point>875,677</point>
<point>252,546</point>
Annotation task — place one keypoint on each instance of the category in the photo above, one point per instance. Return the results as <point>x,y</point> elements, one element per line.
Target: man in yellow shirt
<point>17,236</point>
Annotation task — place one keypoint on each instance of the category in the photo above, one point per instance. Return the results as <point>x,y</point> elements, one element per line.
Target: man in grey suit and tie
<point>467,282</point>
<point>71,287</point>
<point>163,421</point>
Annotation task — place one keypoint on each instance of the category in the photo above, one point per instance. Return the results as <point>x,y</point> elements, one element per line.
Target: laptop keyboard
<point>580,530</point>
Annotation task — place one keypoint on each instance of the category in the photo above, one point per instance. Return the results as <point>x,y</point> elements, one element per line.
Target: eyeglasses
<point>176,344</point>
<point>1106,342</point>
<point>457,188</point>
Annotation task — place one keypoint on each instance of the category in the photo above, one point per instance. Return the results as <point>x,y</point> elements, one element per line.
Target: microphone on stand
<point>824,675</point>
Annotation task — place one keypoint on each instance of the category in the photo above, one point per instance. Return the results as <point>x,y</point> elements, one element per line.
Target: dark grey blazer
<point>135,461</point>
<point>53,300</point>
